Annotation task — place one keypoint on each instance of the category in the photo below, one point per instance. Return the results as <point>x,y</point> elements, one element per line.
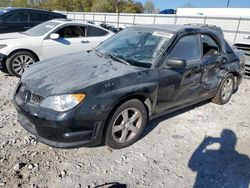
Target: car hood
<point>71,73</point>
<point>12,36</point>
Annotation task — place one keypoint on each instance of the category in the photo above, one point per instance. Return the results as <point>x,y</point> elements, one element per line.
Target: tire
<point>19,61</point>
<point>225,90</point>
<point>122,131</point>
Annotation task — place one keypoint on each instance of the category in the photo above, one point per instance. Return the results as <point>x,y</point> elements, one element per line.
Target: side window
<point>18,17</point>
<point>39,17</point>
<point>210,47</point>
<point>95,32</point>
<point>187,48</point>
<point>72,32</point>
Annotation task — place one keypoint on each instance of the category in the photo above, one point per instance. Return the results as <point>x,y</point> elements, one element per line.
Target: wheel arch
<point>24,49</point>
<point>140,96</point>
<point>237,79</point>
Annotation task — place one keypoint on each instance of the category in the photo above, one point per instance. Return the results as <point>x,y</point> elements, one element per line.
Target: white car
<point>244,45</point>
<point>48,40</point>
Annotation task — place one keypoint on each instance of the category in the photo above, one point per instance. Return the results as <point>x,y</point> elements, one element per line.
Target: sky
<point>164,4</point>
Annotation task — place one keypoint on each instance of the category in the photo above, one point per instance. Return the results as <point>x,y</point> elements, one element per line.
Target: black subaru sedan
<point>109,94</point>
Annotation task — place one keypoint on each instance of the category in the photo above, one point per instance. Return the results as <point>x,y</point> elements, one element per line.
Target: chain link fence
<point>234,28</point>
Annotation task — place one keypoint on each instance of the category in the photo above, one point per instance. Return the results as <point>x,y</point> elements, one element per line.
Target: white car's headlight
<point>62,103</point>
<point>2,46</point>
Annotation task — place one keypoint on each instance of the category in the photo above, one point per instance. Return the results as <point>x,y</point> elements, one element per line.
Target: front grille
<point>36,98</point>
<point>23,96</point>
<point>247,68</point>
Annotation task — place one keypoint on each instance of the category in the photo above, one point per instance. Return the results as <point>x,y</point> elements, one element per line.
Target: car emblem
<point>22,89</point>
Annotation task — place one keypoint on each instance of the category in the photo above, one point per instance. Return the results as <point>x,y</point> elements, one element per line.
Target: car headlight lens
<point>2,46</point>
<point>62,103</point>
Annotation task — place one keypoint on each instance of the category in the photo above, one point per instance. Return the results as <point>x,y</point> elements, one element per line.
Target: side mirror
<point>54,36</point>
<point>176,63</point>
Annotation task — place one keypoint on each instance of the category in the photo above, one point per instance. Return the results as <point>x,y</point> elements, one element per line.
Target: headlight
<point>2,46</point>
<point>62,103</point>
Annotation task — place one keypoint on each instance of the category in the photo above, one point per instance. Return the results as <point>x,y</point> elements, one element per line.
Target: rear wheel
<point>225,91</point>
<point>20,61</point>
<point>126,124</point>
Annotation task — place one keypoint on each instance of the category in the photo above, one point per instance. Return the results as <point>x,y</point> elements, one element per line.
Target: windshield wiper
<point>118,59</point>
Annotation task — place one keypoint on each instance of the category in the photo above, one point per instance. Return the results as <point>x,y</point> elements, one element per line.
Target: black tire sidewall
<point>134,103</point>
<point>10,60</point>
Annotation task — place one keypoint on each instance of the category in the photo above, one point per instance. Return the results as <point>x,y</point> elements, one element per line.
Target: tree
<point>149,7</point>
<point>4,3</point>
<point>102,6</point>
<point>19,3</point>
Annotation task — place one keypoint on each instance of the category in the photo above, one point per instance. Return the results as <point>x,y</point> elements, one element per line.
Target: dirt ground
<point>176,150</point>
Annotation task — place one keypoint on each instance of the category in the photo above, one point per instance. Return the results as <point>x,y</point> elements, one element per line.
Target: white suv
<point>48,40</point>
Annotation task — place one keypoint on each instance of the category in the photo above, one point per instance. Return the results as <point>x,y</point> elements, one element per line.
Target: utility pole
<point>228,2</point>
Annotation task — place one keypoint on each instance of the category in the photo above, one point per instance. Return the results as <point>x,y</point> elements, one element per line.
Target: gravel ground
<point>172,152</point>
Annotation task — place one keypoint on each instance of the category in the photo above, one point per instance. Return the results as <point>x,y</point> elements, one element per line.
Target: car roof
<point>9,9</point>
<point>175,28</point>
<point>62,21</point>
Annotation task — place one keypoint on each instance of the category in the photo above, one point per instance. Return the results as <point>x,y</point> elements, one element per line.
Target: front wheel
<point>126,124</point>
<point>18,62</point>
<point>225,90</point>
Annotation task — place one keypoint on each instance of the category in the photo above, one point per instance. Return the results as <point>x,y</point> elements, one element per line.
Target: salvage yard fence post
<point>234,28</point>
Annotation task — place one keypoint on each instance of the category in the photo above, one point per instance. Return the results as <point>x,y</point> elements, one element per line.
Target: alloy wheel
<point>227,89</point>
<point>21,63</point>
<point>127,125</point>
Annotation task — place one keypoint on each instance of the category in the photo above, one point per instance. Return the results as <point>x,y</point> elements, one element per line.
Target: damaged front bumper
<point>63,133</point>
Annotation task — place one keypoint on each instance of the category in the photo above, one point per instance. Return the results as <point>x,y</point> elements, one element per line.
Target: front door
<point>178,86</point>
<point>16,22</point>
<point>72,39</point>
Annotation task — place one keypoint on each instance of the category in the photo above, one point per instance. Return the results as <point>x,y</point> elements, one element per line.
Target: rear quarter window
<point>55,16</point>
<point>95,32</point>
<point>38,17</point>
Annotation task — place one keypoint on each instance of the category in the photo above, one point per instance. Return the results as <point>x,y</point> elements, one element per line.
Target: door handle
<point>84,41</point>
<point>27,27</point>
<point>196,68</point>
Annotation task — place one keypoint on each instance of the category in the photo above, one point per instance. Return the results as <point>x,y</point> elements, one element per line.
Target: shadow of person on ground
<point>112,185</point>
<point>224,167</point>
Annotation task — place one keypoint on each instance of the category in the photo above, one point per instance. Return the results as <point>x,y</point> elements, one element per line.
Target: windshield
<point>41,29</point>
<point>137,46</point>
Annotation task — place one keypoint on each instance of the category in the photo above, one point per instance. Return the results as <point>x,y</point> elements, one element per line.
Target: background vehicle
<point>50,39</point>
<point>110,93</point>
<point>244,45</point>
<point>21,19</point>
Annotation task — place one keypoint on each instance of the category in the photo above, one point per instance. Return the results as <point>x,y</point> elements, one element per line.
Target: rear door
<point>212,57</point>
<point>72,39</point>
<point>178,86</point>
<point>95,36</point>
<point>37,17</point>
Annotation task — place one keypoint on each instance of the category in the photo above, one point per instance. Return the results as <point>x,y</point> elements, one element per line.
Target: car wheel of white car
<point>18,62</point>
